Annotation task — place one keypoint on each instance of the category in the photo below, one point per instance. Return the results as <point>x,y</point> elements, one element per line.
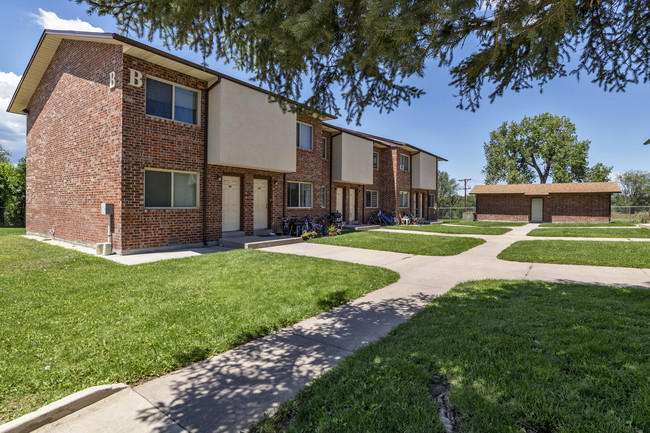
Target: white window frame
<point>198,101</point>
<point>311,138</point>
<point>375,166</point>
<point>311,187</point>
<point>376,194</point>
<point>402,166</point>
<point>198,189</point>
<point>408,199</point>
<point>323,197</point>
<point>324,149</point>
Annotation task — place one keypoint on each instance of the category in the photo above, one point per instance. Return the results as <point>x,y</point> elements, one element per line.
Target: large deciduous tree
<point>367,48</point>
<point>538,149</point>
<point>635,188</point>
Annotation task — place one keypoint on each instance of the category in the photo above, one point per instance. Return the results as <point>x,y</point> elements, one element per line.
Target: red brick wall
<point>574,208</point>
<point>502,207</point>
<point>557,207</point>
<point>74,144</point>
<point>151,142</point>
<point>312,167</point>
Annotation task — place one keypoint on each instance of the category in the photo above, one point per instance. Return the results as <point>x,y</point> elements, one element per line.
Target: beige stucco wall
<point>424,171</point>
<point>351,159</point>
<point>245,130</point>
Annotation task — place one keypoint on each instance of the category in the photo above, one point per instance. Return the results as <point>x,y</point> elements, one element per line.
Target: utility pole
<point>465,188</point>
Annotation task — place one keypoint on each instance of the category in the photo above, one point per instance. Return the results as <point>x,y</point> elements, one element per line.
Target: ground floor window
<point>403,199</point>
<point>372,198</point>
<point>431,200</point>
<point>323,197</point>
<point>299,194</point>
<point>171,189</point>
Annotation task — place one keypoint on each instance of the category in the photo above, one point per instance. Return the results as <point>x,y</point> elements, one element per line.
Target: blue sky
<point>617,124</point>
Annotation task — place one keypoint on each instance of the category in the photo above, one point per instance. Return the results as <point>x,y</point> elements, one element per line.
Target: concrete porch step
<point>359,227</point>
<point>233,234</point>
<point>258,241</point>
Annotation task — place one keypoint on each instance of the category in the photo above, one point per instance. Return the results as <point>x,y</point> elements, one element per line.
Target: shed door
<point>231,204</point>
<point>536,210</point>
<point>260,203</point>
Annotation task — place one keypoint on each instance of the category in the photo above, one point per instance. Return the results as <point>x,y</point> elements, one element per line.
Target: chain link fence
<point>12,217</point>
<point>631,214</point>
<point>446,213</point>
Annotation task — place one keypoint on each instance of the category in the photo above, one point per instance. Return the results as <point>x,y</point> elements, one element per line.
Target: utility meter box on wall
<point>107,208</point>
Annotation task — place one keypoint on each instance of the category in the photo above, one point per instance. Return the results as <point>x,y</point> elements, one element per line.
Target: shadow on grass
<point>231,391</point>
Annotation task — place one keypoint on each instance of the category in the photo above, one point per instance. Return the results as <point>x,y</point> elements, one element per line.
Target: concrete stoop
<point>359,227</point>
<point>239,242</point>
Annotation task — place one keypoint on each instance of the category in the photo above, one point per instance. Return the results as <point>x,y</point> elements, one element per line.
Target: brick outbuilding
<point>588,202</point>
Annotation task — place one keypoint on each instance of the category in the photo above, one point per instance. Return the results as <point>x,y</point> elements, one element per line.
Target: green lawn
<point>485,223</point>
<point>621,254</point>
<point>591,233</point>
<point>612,224</point>
<point>468,230</point>
<point>402,243</point>
<point>94,322</point>
<point>10,231</point>
<point>517,356</point>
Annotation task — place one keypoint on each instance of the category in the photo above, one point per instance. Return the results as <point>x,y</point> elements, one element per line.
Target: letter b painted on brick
<point>135,78</point>
<point>111,80</point>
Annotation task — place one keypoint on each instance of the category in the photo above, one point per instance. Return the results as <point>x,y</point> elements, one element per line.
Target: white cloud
<point>50,20</point>
<point>12,126</point>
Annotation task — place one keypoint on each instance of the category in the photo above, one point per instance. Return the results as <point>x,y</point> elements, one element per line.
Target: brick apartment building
<point>185,154</point>
<point>588,202</point>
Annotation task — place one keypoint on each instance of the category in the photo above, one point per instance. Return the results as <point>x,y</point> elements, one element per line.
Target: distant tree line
<point>12,191</point>
<point>635,188</point>
<point>450,193</point>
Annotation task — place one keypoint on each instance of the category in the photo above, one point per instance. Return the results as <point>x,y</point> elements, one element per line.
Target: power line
<point>465,188</point>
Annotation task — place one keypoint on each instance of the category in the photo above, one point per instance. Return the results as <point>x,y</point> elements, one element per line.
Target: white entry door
<point>260,204</point>
<point>536,210</point>
<point>353,204</point>
<point>339,200</point>
<point>231,203</point>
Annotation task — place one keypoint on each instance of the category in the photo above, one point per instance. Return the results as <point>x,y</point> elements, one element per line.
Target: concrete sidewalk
<point>229,392</point>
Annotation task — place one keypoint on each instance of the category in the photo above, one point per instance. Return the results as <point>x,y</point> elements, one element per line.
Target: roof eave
<point>131,42</point>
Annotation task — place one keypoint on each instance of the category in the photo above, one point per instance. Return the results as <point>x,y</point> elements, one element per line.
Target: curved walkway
<point>231,391</point>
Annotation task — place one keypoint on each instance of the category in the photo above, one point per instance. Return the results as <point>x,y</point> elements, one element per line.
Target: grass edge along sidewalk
<point>402,243</point>
<point>71,320</point>
<point>454,230</point>
<point>591,233</point>
<point>505,355</point>
<point>567,252</point>
<point>483,223</point>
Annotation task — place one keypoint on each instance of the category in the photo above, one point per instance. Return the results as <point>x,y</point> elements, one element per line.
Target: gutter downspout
<point>413,202</point>
<point>331,162</point>
<point>205,162</point>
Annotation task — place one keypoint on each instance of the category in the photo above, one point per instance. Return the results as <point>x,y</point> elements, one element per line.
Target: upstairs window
<point>169,101</point>
<point>303,135</point>
<point>324,148</point>
<point>404,162</point>
<point>375,160</point>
